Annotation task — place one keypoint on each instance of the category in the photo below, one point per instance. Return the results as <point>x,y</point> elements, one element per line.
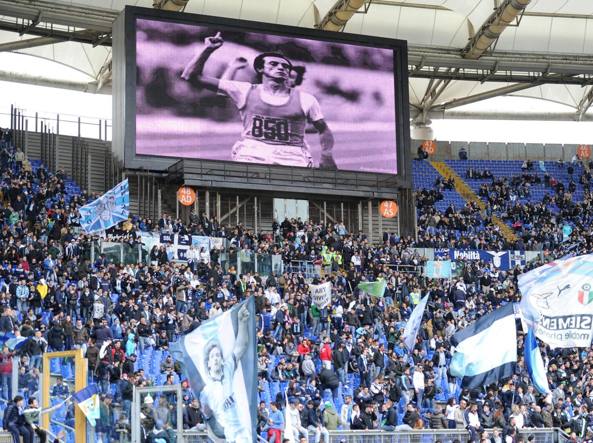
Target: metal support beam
<point>339,14</point>
<point>585,103</point>
<point>434,90</point>
<point>483,96</point>
<point>323,213</point>
<point>29,43</point>
<point>493,27</point>
<point>60,13</point>
<point>30,79</point>
<point>543,116</point>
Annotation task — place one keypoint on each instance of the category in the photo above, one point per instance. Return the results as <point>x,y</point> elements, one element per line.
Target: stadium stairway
<point>469,195</point>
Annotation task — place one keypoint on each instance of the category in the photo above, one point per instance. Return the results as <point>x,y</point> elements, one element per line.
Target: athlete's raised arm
<point>242,340</point>
<point>194,69</point>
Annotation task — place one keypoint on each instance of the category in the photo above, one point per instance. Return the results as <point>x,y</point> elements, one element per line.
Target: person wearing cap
<point>331,419</point>
<point>274,114</point>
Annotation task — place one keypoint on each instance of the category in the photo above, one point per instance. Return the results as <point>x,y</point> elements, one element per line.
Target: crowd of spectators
<point>343,367</point>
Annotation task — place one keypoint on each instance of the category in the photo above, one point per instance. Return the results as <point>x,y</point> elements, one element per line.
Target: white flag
<point>321,295</point>
<point>288,424</point>
<point>557,301</point>
<point>413,324</point>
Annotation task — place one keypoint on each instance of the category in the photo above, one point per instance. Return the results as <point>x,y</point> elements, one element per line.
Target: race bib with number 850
<point>269,128</point>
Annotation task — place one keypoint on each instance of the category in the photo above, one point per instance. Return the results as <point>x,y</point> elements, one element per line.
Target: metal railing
<point>61,124</point>
<point>308,268</point>
<point>416,436</point>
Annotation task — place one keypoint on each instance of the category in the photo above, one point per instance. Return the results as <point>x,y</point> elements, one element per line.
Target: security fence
<point>417,436</point>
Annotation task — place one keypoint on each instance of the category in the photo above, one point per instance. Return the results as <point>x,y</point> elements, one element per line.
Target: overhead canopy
<point>559,33</point>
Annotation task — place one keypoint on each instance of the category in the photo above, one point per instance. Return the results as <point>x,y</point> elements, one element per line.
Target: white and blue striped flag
<point>106,211</point>
<point>413,324</point>
<point>486,350</point>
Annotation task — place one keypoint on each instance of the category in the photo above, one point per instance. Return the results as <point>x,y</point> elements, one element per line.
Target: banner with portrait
<point>219,359</point>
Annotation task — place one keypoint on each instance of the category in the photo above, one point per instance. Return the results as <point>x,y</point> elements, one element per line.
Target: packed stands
<point>342,367</point>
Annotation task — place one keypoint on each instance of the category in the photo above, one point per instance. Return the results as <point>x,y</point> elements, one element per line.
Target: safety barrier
<point>308,268</point>
<point>417,436</point>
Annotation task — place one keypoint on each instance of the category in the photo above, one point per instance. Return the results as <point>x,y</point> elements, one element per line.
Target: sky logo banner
<point>556,301</point>
<point>106,211</point>
<point>88,402</point>
<point>437,269</point>
<point>219,359</point>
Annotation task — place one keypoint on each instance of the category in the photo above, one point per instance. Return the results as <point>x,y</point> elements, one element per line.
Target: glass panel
<point>158,415</point>
<point>61,386</point>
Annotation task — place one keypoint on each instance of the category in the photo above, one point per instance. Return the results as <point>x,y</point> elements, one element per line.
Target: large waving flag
<point>288,424</point>
<point>88,402</point>
<point>106,211</point>
<point>535,364</point>
<point>557,301</point>
<point>219,359</point>
<point>413,324</point>
<point>486,351</point>
<point>374,288</point>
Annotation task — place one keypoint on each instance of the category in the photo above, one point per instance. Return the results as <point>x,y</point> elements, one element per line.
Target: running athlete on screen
<point>274,114</point>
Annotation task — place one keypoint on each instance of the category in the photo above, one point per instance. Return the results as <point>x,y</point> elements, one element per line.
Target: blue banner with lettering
<point>502,260</point>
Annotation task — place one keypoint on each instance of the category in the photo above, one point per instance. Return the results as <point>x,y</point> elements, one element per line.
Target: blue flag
<point>106,211</point>
<point>535,364</point>
<point>88,402</point>
<point>566,231</point>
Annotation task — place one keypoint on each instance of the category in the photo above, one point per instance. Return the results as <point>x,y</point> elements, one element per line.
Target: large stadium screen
<point>233,93</point>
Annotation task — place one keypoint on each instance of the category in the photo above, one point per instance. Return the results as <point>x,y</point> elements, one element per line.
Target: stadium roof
<point>545,52</point>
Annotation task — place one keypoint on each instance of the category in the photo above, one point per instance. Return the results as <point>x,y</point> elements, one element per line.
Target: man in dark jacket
<point>368,416</point>
<point>389,416</point>
<point>192,416</point>
<point>411,416</point>
<point>56,337</point>
<point>340,359</point>
<point>102,333</point>
<point>15,423</point>
<point>329,380</point>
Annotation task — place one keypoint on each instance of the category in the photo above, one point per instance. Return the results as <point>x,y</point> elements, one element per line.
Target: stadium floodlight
<point>491,29</point>
<point>339,14</point>
<point>170,5</point>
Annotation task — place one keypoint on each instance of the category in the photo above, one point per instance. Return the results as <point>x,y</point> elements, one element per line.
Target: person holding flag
<point>33,413</point>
